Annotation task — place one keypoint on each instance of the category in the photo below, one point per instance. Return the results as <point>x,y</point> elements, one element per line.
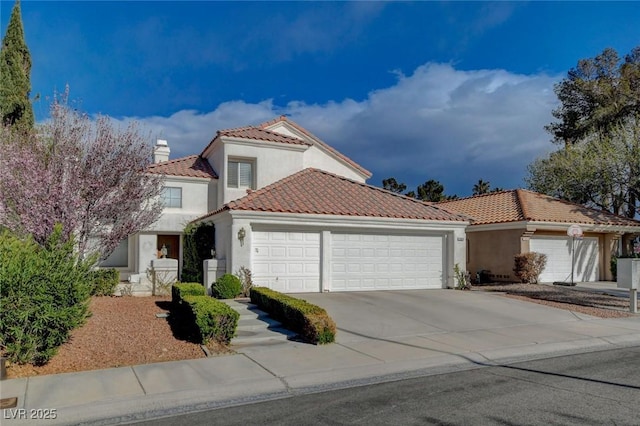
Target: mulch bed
<point>122,331</point>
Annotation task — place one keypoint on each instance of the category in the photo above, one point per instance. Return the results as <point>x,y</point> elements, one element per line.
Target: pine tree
<point>15,75</point>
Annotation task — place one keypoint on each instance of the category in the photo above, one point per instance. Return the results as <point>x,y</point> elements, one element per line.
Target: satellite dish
<point>574,231</point>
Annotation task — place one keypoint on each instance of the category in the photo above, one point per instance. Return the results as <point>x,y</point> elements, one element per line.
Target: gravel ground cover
<point>121,331</point>
<point>585,302</point>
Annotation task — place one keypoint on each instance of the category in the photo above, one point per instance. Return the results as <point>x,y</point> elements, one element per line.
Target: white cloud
<point>452,125</point>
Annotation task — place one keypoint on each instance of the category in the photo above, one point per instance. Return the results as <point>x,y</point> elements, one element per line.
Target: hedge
<point>211,319</point>
<point>310,321</point>
<point>180,290</point>
<point>104,281</point>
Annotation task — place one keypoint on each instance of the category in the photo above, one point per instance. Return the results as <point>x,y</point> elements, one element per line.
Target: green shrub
<point>199,240</point>
<point>44,294</point>
<point>228,286</point>
<point>212,319</point>
<point>613,265</point>
<point>180,290</point>
<point>104,281</point>
<point>529,266</point>
<point>311,321</point>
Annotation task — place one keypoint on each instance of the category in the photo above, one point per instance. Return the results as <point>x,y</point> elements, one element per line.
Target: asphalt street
<point>587,389</point>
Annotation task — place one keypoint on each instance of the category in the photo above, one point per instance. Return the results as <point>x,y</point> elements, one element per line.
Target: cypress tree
<point>15,75</point>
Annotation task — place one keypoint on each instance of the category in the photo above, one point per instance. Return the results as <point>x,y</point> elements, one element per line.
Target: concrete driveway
<point>408,323</point>
<point>392,332</point>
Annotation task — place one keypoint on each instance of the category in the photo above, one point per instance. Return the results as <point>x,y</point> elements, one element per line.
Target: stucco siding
<point>493,251</point>
<point>317,158</point>
<point>271,164</point>
<point>194,203</point>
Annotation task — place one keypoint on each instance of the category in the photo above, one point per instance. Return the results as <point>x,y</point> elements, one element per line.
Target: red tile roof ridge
<point>346,179</point>
<point>247,199</point>
<point>572,204</point>
<point>230,132</point>
<point>284,118</point>
<point>487,194</point>
<point>525,206</point>
<point>202,166</point>
<point>521,205</point>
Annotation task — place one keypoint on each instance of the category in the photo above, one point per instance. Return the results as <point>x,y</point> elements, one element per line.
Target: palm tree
<point>481,187</point>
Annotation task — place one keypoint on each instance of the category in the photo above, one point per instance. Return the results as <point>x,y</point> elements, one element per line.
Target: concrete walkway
<point>382,336</point>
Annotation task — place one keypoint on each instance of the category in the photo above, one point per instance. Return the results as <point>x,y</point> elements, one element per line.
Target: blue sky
<point>453,91</point>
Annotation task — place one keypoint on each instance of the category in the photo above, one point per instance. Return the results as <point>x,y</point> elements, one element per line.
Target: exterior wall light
<point>241,234</point>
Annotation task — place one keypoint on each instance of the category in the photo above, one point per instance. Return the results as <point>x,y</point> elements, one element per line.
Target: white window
<point>172,196</point>
<point>239,174</point>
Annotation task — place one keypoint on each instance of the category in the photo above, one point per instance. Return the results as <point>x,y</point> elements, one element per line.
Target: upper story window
<point>172,196</point>
<point>240,174</point>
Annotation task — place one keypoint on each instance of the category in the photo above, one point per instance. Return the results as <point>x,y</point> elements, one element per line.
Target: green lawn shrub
<point>104,281</point>
<point>211,319</point>
<point>180,290</point>
<point>227,286</point>
<point>310,321</point>
<point>529,266</point>
<point>198,241</point>
<point>44,294</point>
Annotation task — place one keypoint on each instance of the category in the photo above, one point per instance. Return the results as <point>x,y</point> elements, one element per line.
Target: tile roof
<point>316,140</point>
<point>523,205</point>
<point>257,133</point>
<point>261,132</point>
<point>191,166</point>
<point>313,191</point>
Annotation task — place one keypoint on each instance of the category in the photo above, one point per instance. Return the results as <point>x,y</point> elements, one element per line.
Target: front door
<point>172,244</point>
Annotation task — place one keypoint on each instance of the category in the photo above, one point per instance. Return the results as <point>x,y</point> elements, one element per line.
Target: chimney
<point>161,151</point>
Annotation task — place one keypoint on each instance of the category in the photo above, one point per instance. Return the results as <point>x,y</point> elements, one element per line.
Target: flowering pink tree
<point>87,175</point>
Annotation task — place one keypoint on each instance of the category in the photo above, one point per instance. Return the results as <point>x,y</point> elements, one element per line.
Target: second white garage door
<point>385,262</point>
<point>288,262</point>
<point>558,251</point>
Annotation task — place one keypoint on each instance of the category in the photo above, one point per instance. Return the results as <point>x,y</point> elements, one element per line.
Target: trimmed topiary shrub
<point>311,321</point>
<point>529,266</point>
<point>180,290</point>
<point>104,281</point>
<point>211,319</point>
<point>199,240</point>
<point>44,294</point>
<point>228,286</point>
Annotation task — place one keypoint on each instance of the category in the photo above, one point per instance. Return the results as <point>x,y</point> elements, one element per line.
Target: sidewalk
<point>282,368</point>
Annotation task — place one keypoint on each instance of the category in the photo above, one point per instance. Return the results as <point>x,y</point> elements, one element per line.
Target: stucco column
<point>240,247</point>
<point>325,261</point>
<point>609,248</point>
<point>525,247</point>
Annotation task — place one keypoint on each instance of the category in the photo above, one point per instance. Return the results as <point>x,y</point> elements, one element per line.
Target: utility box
<point>628,273</point>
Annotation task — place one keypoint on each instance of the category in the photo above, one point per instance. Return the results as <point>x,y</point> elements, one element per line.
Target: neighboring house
<point>508,223</point>
<point>298,214</point>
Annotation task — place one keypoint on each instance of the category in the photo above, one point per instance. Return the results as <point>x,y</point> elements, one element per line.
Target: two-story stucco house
<point>299,215</point>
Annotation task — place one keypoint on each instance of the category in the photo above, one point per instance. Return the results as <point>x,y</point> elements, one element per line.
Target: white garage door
<point>558,251</point>
<point>385,262</point>
<point>288,262</point>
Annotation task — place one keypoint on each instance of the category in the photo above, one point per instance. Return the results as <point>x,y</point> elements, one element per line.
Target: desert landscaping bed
<point>584,302</point>
<point>122,331</point>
